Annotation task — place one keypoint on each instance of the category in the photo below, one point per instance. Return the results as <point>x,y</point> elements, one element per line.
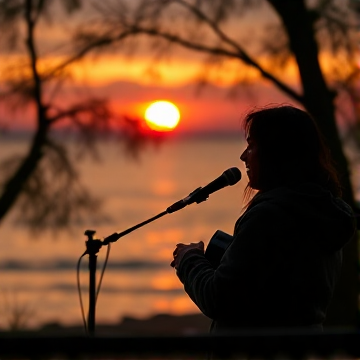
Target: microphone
<point>228,177</point>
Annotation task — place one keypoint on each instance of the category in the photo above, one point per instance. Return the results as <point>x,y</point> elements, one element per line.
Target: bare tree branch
<point>32,51</point>
<point>90,106</point>
<point>91,44</point>
<point>241,55</point>
<point>132,28</point>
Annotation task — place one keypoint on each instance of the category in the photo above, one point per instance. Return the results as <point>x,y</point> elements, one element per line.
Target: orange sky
<point>130,88</point>
<point>132,83</point>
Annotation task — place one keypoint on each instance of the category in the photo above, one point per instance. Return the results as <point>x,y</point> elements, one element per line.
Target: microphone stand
<point>92,248</point>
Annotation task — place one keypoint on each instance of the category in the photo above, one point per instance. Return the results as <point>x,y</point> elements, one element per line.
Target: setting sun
<point>162,116</point>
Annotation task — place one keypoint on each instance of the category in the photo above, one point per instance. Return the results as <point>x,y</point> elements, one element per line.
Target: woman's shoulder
<point>273,206</point>
<point>259,213</point>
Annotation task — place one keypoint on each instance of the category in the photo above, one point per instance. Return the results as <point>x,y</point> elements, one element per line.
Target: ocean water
<point>38,273</point>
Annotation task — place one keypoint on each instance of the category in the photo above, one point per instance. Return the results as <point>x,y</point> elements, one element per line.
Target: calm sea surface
<point>38,274</point>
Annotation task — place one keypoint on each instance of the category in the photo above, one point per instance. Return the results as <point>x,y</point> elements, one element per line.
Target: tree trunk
<point>318,100</point>
<point>15,184</point>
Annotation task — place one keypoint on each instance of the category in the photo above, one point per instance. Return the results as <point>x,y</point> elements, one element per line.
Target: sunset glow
<point>162,116</point>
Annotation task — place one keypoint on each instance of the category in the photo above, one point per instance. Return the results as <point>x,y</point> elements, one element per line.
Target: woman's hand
<point>182,249</point>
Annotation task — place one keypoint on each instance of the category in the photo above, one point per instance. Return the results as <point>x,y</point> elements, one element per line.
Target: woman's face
<point>251,159</point>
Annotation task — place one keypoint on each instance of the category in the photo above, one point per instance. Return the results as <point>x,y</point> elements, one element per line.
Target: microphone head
<point>232,175</point>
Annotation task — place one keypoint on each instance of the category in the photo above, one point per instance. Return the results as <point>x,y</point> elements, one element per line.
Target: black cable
<point>103,271</point>
<point>79,292</point>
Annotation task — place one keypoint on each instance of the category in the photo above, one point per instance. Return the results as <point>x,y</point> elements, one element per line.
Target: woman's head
<point>286,147</point>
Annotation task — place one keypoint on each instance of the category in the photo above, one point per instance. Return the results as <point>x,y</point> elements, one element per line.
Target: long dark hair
<point>291,148</point>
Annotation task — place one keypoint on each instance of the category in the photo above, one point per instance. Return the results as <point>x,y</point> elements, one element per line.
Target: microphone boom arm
<point>116,236</point>
<point>174,207</point>
<point>229,177</point>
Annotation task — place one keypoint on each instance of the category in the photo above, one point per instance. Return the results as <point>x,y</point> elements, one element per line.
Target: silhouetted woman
<point>285,258</point>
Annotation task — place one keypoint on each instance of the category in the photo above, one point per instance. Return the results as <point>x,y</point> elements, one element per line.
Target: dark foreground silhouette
<point>170,337</point>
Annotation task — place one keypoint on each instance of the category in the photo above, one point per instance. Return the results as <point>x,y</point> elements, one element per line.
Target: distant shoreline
<point>158,325</point>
